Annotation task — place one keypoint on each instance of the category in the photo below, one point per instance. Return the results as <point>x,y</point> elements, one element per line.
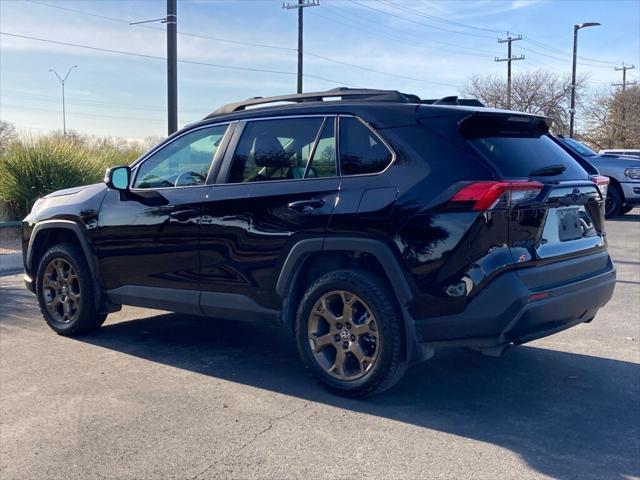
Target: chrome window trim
<point>336,117</point>
<point>170,140</point>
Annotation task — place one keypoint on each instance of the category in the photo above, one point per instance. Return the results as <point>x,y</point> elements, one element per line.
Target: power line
<point>252,44</point>
<point>92,103</point>
<point>527,39</point>
<point>389,36</point>
<point>363,5</point>
<point>438,19</point>
<point>536,52</point>
<point>155,57</point>
<point>424,15</point>
<point>82,114</point>
<point>562,52</point>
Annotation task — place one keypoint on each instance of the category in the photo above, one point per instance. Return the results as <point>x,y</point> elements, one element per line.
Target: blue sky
<point>425,47</point>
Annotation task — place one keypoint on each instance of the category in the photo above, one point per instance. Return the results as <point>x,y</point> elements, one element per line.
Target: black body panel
<point>459,274</point>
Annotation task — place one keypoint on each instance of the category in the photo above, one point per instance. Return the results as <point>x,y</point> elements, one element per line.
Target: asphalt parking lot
<point>156,395</point>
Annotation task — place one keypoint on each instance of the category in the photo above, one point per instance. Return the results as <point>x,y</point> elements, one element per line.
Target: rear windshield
<point>515,156</point>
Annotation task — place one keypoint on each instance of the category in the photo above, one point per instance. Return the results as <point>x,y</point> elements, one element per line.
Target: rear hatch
<point>556,207</point>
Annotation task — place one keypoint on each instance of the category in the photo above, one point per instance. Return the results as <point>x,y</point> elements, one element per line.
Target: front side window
<point>360,150</point>
<point>271,150</point>
<point>183,162</point>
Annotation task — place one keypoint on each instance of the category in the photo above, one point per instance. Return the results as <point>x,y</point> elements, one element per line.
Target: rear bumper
<point>523,305</point>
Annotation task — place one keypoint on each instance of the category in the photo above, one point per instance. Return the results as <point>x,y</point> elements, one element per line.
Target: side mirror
<point>118,178</point>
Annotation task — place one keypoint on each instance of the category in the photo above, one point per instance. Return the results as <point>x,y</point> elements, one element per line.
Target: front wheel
<point>626,209</point>
<point>65,291</point>
<point>349,333</point>
<point>613,203</point>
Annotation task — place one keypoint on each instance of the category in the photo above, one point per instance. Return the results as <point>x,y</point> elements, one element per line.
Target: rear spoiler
<point>504,124</point>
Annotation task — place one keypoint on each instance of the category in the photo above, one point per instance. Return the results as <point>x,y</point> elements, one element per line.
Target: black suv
<point>374,226</point>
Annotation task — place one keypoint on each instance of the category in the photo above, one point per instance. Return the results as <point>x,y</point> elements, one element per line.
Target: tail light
<point>603,184</point>
<point>482,196</point>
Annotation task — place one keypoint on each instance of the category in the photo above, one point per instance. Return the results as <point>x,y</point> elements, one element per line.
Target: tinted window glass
<point>578,147</point>
<point>520,156</point>
<point>360,150</point>
<point>274,149</point>
<point>183,162</point>
<point>323,162</point>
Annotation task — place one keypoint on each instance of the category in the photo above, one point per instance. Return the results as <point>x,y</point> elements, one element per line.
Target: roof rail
<point>341,93</point>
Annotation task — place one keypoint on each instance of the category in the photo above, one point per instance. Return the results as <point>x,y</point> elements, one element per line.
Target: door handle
<point>182,215</point>
<point>306,206</point>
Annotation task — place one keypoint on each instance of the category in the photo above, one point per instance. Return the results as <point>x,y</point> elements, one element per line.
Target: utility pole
<point>172,66</point>
<point>62,82</point>
<point>300,6</point>
<point>624,83</point>
<point>572,110</point>
<point>509,59</point>
<point>172,62</point>
<point>624,69</point>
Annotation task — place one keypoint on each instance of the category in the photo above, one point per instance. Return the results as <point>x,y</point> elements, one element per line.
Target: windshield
<point>578,147</point>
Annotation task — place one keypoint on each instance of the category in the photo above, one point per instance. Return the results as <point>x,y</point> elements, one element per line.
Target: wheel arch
<point>328,254</point>
<point>50,232</point>
<point>376,248</point>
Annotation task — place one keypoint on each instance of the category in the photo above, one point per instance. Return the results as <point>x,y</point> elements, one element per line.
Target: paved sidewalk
<point>10,261</point>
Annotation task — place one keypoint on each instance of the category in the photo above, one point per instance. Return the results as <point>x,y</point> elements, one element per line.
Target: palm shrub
<point>33,167</point>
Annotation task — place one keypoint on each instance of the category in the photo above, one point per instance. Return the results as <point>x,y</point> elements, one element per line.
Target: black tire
<point>389,365</point>
<point>613,204</point>
<point>86,317</point>
<point>626,209</point>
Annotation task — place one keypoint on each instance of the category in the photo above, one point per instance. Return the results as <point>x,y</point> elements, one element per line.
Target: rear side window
<point>272,150</point>
<point>360,150</point>
<point>516,156</point>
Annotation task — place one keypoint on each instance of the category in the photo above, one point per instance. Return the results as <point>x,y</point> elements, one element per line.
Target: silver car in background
<point>623,172</point>
<point>621,151</point>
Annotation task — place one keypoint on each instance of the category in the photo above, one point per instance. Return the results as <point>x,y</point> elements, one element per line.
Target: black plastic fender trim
<point>390,264</point>
<point>84,244</point>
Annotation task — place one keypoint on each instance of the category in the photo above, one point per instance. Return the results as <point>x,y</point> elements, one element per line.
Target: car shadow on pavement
<point>629,217</point>
<point>566,415</point>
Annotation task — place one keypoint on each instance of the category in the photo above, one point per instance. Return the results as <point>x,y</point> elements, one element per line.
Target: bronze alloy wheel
<point>61,291</point>
<point>343,335</point>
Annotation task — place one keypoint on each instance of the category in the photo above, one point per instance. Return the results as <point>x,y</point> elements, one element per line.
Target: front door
<point>148,239</point>
<point>278,185</point>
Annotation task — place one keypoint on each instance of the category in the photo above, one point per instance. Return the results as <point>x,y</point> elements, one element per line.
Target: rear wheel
<point>349,333</point>
<point>613,203</point>
<point>65,291</point>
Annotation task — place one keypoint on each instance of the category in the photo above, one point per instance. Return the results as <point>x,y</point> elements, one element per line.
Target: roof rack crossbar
<point>342,93</point>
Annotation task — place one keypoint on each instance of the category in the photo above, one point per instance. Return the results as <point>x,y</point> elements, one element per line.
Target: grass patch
<point>33,167</point>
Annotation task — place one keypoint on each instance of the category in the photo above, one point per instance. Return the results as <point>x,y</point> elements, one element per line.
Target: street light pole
<point>62,82</point>
<point>572,111</point>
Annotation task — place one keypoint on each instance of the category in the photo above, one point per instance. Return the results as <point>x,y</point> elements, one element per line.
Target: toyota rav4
<point>374,226</point>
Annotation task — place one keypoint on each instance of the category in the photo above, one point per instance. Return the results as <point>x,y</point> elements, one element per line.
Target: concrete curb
<point>11,262</point>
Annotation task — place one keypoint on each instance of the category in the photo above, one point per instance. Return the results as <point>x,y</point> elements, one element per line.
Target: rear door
<point>563,216</point>
<point>278,185</point>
